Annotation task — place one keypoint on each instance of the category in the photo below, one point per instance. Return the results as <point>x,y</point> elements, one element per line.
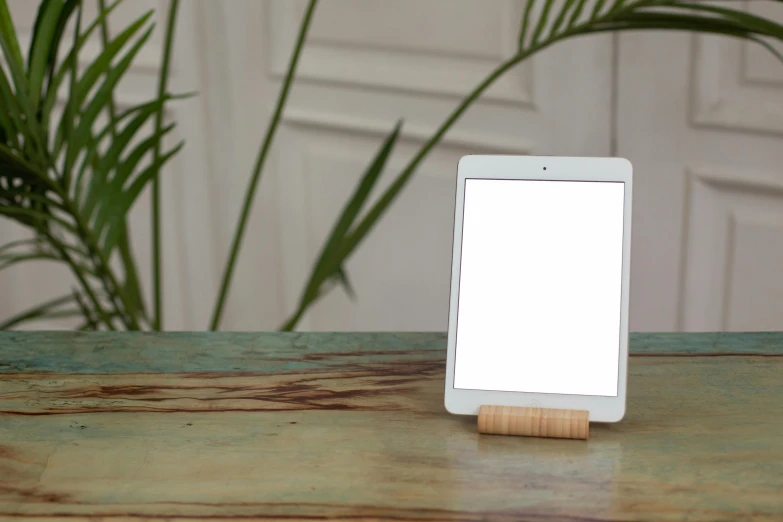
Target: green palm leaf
<point>576,13</point>
<point>103,165</point>
<point>26,243</point>
<point>10,41</point>
<point>97,103</point>
<point>8,260</point>
<point>13,59</point>
<point>11,118</point>
<point>57,75</point>
<point>65,14</point>
<point>100,65</point>
<point>123,198</point>
<point>329,266</point>
<point>562,16</point>
<point>542,22</point>
<point>44,34</point>
<point>47,310</point>
<point>92,156</point>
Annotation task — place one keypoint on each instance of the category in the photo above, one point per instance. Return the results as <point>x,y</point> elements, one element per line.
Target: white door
<point>701,117</point>
<point>369,62</point>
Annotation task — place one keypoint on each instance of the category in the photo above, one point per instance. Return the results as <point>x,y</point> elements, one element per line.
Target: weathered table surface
<point>352,426</point>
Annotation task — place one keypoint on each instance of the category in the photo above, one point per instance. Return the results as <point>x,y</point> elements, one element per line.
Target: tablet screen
<point>540,287</point>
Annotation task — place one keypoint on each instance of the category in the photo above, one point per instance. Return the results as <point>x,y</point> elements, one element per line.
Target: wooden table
<point>351,426</point>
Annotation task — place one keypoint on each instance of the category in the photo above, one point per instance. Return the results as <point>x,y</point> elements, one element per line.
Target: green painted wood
<point>107,352</point>
<point>123,426</point>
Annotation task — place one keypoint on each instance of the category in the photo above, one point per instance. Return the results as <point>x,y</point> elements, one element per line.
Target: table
<point>351,426</point>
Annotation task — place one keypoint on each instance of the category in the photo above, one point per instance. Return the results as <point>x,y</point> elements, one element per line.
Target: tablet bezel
<point>468,402</point>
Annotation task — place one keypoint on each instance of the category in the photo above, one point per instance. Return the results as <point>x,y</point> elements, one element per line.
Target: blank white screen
<point>540,287</point>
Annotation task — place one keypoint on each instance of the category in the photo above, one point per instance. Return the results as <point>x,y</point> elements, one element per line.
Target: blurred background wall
<point>701,118</point>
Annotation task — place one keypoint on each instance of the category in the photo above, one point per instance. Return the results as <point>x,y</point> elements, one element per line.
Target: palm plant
<point>72,180</point>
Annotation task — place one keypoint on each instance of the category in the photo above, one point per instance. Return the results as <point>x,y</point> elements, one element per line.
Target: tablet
<point>538,312</point>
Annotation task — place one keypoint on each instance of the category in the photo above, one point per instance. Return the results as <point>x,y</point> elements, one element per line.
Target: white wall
<point>699,117</point>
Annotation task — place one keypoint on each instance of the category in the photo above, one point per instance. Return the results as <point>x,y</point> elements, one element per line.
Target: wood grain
<point>534,422</point>
<point>316,428</point>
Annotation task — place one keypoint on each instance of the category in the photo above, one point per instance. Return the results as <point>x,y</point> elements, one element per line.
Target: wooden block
<point>534,422</point>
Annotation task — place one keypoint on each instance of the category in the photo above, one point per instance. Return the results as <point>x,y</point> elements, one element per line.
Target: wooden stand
<point>534,422</point>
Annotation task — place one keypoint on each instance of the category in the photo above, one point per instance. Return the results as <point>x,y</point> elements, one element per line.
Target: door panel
<point>701,119</point>
<point>371,62</point>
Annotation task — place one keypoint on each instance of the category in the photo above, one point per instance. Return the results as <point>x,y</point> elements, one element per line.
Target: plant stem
<point>292,321</point>
<point>102,266</point>
<point>87,288</point>
<point>256,175</point>
<point>157,283</point>
<point>108,279</point>
<point>127,257</point>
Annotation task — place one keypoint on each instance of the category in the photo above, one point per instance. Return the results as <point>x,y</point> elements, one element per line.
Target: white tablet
<point>539,289</point>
